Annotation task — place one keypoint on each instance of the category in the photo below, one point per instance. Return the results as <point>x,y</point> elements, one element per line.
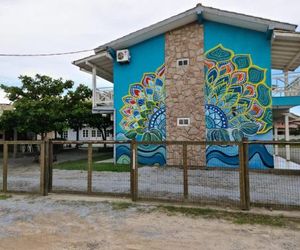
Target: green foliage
<point>39,104</point>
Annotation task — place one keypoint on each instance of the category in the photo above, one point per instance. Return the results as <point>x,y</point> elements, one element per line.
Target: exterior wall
<point>238,100</point>
<point>139,100</point>
<point>184,92</point>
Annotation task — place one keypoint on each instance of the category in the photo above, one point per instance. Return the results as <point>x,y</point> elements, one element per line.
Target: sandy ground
<point>58,223</point>
<point>155,182</point>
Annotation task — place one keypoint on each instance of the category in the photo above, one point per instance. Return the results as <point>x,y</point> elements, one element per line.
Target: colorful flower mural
<point>144,117</point>
<point>237,104</point>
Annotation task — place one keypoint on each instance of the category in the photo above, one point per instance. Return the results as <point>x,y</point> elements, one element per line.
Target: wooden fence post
<point>42,168</point>
<point>134,171</point>
<point>246,175</point>
<point>243,175</point>
<point>5,167</point>
<point>185,171</point>
<point>90,168</point>
<point>50,167</point>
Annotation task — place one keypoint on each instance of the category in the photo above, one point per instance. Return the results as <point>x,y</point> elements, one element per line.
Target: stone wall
<point>184,92</point>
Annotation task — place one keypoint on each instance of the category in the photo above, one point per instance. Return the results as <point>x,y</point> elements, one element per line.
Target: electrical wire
<point>46,54</point>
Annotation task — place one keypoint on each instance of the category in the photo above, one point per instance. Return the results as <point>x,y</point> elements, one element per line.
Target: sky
<point>47,26</point>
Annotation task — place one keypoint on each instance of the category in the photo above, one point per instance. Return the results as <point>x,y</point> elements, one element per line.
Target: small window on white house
<point>183,122</point>
<point>64,135</point>
<point>98,133</point>
<point>93,133</point>
<point>85,133</point>
<point>183,62</point>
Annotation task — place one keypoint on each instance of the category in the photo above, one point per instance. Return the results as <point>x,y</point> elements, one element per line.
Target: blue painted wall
<point>147,56</point>
<point>221,43</point>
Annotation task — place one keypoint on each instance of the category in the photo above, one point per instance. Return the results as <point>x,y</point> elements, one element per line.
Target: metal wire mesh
<point>211,184</point>
<point>108,176</point>
<point>70,167</point>
<point>161,182</point>
<point>278,186</point>
<point>23,171</point>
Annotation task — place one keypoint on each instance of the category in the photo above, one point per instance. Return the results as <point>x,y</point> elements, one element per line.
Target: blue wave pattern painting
<point>260,156</point>
<point>147,154</point>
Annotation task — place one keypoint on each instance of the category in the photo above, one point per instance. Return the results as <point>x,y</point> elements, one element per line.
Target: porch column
<point>94,82</point>
<point>287,136</point>
<point>276,138</point>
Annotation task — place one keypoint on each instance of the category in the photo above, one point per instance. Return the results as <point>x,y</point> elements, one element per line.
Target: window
<point>107,133</point>
<point>64,135</point>
<point>98,133</point>
<point>85,133</point>
<point>183,62</point>
<point>183,122</point>
<point>93,133</point>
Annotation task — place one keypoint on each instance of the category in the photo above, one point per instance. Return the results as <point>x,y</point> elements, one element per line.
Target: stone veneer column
<point>184,92</point>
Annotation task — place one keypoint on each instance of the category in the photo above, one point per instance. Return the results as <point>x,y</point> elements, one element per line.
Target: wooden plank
<point>50,167</point>
<point>185,171</point>
<point>246,176</point>
<point>5,167</point>
<point>134,166</point>
<point>242,176</point>
<point>42,169</point>
<point>90,168</point>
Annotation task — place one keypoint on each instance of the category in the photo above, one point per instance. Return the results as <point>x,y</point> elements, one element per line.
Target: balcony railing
<point>286,85</point>
<point>103,98</point>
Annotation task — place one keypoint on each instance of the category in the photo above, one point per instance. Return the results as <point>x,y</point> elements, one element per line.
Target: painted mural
<point>144,118</point>
<point>238,104</point>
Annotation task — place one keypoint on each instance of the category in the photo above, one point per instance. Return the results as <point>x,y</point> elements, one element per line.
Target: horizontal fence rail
<point>89,167</point>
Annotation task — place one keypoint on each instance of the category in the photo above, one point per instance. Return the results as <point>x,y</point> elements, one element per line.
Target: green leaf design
<point>150,104</point>
<point>237,134</point>
<point>220,89</point>
<point>249,128</point>
<point>230,99</point>
<point>146,137</point>
<point>131,134</point>
<point>218,135</point>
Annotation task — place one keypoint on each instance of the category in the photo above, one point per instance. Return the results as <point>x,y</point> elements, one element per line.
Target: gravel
<point>166,183</point>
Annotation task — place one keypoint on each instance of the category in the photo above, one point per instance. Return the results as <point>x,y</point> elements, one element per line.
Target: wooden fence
<point>46,166</point>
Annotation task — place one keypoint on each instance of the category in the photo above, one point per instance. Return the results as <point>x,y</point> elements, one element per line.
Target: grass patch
<point>234,217</point>
<point>82,164</point>
<point>4,196</point>
<point>121,205</point>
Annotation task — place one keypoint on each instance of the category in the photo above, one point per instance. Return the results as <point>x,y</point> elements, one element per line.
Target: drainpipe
<point>287,137</point>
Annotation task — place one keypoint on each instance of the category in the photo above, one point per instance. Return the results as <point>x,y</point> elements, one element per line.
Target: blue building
<point>204,74</point>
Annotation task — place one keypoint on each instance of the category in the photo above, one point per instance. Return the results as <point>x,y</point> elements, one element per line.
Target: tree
<point>39,104</point>
<point>102,123</point>
<point>79,108</point>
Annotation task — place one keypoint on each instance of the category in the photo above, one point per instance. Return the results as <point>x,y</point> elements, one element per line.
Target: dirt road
<point>58,223</point>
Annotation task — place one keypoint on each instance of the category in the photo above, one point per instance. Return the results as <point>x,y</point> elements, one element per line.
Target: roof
<point>285,41</point>
<point>192,15</point>
<point>285,50</point>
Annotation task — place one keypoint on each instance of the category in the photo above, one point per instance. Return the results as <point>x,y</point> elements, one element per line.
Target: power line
<point>46,54</point>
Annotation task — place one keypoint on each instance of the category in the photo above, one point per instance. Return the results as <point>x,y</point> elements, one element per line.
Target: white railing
<point>104,97</point>
<point>286,85</point>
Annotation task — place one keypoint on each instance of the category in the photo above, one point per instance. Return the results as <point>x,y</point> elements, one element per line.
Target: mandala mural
<point>238,103</point>
<point>144,117</point>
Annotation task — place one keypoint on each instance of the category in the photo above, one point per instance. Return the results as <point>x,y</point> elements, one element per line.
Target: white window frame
<point>65,135</point>
<point>94,133</point>
<point>85,133</point>
<point>183,62</point>
<point>183,122</point>
<point>99,133</point>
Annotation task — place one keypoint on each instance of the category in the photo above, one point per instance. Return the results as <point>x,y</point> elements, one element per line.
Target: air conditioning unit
<point>123,56</point>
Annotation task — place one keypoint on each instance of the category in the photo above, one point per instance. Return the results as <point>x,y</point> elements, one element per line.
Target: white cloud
<point>41,26</point>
